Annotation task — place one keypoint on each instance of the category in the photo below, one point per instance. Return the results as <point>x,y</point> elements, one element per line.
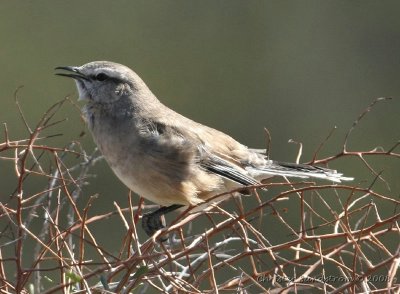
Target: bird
<point>162,155</point>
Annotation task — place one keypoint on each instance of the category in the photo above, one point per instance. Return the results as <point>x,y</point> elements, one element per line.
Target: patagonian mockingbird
<point>163,156</point>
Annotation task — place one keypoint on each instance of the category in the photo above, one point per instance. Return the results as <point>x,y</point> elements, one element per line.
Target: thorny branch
<point>343,237</point>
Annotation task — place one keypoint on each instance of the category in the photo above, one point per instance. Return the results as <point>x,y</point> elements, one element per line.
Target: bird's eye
<point>101,77</point>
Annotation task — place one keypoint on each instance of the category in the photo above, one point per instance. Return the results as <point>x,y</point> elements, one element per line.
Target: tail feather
<point>275,168</point>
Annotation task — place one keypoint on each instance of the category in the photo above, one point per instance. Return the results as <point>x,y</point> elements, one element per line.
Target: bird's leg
<point>153,221</point>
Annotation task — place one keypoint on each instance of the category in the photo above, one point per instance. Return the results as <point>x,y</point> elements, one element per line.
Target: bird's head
<point>104,81</point>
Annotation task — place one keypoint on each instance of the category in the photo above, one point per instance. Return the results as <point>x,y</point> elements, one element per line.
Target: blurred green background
<point>298,68</point>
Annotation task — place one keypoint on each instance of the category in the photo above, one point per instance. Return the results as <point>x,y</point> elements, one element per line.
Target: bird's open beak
<point>73,72</point>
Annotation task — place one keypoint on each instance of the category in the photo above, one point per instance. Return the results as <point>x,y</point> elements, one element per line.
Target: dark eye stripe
<point>100,77</point>
<point>109,78</point>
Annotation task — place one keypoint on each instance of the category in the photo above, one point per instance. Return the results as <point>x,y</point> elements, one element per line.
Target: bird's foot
<point>152,222</point>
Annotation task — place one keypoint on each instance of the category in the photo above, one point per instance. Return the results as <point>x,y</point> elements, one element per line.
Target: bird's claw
<point>151,223</point>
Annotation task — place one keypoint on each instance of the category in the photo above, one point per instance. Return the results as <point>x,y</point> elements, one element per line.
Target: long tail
<point>275,168</point>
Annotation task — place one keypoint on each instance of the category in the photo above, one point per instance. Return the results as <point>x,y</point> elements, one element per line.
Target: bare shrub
<point>344,238</point>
